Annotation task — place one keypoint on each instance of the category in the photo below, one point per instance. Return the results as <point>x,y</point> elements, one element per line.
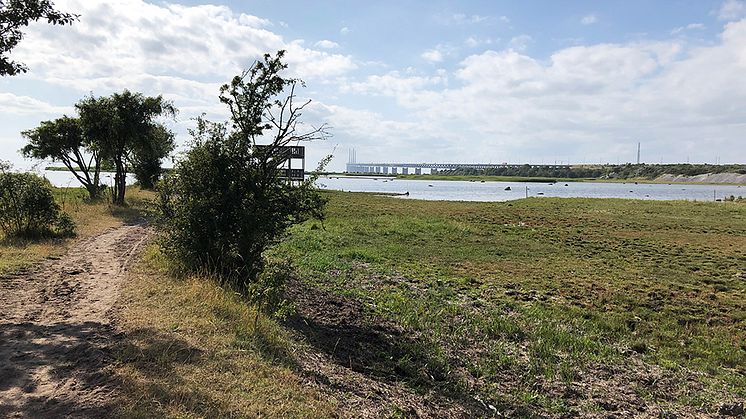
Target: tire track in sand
<point>55,328</point>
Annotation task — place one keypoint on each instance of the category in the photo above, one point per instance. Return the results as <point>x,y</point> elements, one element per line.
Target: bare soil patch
<point>56,329</point>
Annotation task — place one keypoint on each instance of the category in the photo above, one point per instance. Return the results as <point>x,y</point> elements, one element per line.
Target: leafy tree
<point>123,125</point>
<point>16,15</point>
<point>63,140</point>
<point>146,160</point>
<point>228,200</point>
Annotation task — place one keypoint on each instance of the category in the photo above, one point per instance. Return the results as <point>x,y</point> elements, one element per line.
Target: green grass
<point>543,289</point>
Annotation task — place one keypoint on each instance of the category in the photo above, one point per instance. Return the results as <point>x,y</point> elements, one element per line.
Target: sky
<point>419,81</point>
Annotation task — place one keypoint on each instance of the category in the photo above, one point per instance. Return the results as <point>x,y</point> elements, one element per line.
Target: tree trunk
<point>120,182</point>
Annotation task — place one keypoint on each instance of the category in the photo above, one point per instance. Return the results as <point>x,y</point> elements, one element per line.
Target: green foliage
<point>28,208</point>
<point>267,292</point>
<point>146,159</point>
<point>125,128</point>
<point>14,16</point>
<point>64,140</point>
<point>227,199</point>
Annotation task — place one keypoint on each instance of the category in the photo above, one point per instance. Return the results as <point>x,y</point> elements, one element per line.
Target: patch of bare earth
<point>56,329</point>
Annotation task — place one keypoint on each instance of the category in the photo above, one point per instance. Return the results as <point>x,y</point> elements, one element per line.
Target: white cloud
<point>154,48</point>
<point>582,101</point>
<point>464,19</point>
<point>473,42</point>
<point>460,18</point>
<point>689,27</point>
<point>732,10</point>
<point>11,104</point>
<point>432,55</point>
<point>344,31</point>
<point>589,19</point>
<point>520,42</point>
<point>326,44</point>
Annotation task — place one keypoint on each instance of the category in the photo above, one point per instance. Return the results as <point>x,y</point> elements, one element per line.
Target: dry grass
<point>192,349</point>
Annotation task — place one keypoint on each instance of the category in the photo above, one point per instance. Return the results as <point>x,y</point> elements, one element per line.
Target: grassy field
<point>555,305</point>
<point>548,306</point>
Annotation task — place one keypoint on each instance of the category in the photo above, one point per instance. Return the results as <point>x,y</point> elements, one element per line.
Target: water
<point>435,190</point>
<point>440,190</point>
<point>67,179</point>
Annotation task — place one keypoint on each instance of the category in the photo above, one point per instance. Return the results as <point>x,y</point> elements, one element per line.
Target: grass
<point>193,349</point>
<point>513,295</point>
<point>513,302</point>
<point>90,217</point>
<point>187,348</point>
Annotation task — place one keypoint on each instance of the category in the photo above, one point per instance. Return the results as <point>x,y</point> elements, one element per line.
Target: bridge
<point>404,168</point>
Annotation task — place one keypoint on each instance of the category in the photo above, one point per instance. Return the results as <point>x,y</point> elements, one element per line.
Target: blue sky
<point>479,81</point>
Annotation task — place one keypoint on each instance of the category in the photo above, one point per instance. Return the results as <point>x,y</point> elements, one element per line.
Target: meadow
<point>555,305</point>
<point>536,306</point>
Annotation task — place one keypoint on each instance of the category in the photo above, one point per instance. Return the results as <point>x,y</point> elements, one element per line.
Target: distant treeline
<point>626,171</point>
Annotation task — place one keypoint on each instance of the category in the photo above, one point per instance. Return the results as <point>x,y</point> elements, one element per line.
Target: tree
<point>63,140</point>
<point>123,124</point>
<point>146,159</point>
<point>14,16</point>
<point>228,200</point>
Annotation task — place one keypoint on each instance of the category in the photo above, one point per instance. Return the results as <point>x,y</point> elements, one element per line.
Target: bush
<point>28,209</point>
<point>227,200</point>
<point>219,212</point>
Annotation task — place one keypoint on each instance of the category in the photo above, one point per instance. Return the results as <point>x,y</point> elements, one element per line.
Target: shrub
<point>227,199</point>
<point>28,209</point>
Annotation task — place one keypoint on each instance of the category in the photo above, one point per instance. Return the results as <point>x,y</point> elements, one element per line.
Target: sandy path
<point>55,327</point>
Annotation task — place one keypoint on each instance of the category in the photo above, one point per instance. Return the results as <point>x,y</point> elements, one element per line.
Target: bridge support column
<point>405,170</point>
<point>433,171</point>
<point>418,171</point>
<point>394,170</point>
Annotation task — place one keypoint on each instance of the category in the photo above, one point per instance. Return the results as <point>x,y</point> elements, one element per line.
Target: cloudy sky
<point>467,81</point>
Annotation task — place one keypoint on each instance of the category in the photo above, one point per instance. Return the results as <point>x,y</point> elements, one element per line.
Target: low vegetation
<point>555,305</point>
<point>28,208</point>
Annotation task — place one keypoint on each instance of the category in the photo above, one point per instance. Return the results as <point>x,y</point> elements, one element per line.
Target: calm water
<point>495,191</point>
<point>66,179</point>
<point>492,191</point>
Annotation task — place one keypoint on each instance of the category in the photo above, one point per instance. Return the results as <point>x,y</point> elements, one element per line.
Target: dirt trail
<point>55,327</point>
